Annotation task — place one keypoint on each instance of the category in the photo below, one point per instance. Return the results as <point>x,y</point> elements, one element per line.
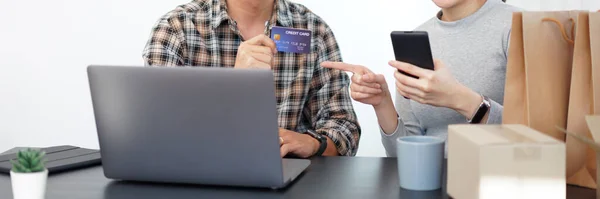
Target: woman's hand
<point>366,87</point>
<point>436,88</point>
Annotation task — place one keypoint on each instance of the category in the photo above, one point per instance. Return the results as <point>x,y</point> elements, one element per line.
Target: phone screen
<point>412,47</point>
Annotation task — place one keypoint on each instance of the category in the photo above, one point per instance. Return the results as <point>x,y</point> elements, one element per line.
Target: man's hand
<point>302,145</point>
<point>257,52</point>
<point>366,87</point>
<point>370,88</point>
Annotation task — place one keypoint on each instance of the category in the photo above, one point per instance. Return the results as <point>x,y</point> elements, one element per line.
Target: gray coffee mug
<point>420,162</point>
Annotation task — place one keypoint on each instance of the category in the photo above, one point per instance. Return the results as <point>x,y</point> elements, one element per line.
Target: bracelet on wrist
<point>481,111</point>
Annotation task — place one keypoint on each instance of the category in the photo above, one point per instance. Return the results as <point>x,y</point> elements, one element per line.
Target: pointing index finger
<point>342,66</point>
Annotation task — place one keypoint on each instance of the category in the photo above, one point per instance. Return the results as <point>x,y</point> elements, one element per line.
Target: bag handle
<point>562,28</point>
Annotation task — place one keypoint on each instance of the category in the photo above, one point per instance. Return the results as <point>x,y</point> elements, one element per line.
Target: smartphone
<point>412,47</point>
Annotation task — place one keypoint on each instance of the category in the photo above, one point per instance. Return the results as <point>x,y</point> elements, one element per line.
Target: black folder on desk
<point>59,159</point>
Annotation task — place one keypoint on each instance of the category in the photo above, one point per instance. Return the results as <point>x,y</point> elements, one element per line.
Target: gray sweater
<point>475,50</point>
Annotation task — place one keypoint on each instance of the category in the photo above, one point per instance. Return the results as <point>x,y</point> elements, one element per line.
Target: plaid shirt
<point>309,97</point>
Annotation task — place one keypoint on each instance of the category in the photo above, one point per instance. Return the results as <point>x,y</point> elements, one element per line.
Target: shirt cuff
<point>343,144</point>
<point>389,140</point>
<point>495,114</point>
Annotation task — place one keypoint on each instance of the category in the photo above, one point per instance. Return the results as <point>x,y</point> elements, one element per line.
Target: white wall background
<point>46,45</point>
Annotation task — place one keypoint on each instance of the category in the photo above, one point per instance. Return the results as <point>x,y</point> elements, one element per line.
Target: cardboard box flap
<point>502,134</point>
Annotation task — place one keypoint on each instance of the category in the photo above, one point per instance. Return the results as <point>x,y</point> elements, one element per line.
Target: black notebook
<point>59,159</point>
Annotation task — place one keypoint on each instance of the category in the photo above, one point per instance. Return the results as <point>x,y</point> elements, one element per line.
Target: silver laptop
<point>213,126</point>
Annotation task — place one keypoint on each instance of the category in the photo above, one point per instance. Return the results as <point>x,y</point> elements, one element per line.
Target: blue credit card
<point>291,40</point>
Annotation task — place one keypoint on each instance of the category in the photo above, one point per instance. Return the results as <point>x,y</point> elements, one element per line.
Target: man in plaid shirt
<point>232,33</point>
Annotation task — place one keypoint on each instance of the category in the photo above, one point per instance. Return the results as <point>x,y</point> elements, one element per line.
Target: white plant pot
<point>29,185</point>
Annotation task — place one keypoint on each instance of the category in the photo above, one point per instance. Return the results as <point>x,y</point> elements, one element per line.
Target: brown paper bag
<point>595,51</point>
<point>583,100</point>
<point>594,127</point>
<point>538,73</point>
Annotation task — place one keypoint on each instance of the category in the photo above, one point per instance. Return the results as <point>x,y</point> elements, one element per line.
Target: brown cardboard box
<point>504,161</point>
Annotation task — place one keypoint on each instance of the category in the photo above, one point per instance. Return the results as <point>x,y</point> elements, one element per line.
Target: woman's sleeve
<point>408,124</point>
<point>495,115</point>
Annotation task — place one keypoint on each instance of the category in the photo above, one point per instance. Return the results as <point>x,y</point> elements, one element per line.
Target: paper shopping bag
<point>583,100</point>
<point>538,73</point>
<point>594,126</point>
<point>595,51</point>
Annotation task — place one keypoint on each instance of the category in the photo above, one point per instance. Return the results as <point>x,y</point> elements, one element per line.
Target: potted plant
<point>29,175</point>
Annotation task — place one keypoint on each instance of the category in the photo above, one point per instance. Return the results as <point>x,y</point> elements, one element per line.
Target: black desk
<point>333,177</point>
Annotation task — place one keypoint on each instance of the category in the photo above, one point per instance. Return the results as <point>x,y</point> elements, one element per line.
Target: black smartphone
<point>412,47</point>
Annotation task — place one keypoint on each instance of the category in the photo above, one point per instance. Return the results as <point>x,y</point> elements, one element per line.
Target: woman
<point>469,41</point>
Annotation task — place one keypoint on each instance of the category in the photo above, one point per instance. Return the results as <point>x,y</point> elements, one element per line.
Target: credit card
<point>291,40</point>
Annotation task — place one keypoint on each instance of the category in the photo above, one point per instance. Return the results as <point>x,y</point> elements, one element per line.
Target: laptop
<point>196,125</point>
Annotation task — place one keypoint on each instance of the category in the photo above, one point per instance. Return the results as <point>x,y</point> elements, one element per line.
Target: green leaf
<point>25,163</point>
<point>40,159</point>
<point>20,155</point>
<point>36,153</point>
<point>24,155</point>
<point>14,165</point>
<point>37,168</point>
<point>35,162</point>
<point>14,162</point>
<point>30,155</point>
<point>18,167</point>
